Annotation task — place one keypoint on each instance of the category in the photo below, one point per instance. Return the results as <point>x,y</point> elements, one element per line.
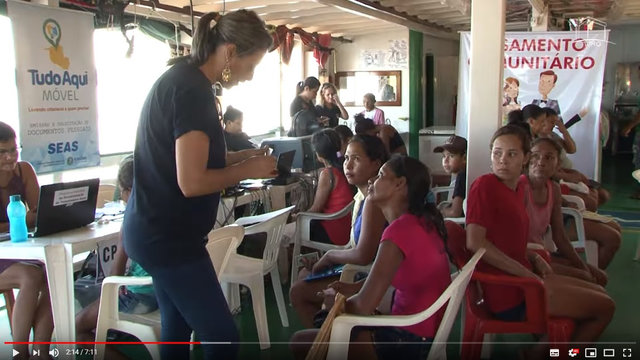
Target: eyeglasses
<point>9,152</point>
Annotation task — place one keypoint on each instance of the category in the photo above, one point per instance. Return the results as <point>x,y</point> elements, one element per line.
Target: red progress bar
<point>104,343</point>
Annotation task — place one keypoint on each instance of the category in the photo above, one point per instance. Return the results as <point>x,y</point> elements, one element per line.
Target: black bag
<point>88,282</point>
<point>304,123</point>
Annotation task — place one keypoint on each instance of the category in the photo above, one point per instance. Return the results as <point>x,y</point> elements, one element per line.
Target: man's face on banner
<point>545,85</point>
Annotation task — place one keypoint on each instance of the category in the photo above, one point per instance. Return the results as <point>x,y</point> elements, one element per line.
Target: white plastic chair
<point>250,271</point>
<point>303,235</point>
<point>146,327</point>
<point>448,190</point>
<point>110,318</point>
<point>349,271</point>
<point>342,325</point>
<point>590,247</point>
<point>462,220</point>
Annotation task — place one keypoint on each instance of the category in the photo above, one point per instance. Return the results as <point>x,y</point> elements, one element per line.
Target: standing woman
<point>331,106</point>
<point>180,167</point>
<point>306,92</point>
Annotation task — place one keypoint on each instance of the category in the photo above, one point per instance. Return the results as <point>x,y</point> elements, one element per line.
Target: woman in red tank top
<point>333,192</point>
<point>32,308</point>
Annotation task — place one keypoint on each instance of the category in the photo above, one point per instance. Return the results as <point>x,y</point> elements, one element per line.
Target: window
<point>123,84</point>
<point>258,99</point>
<point>8,90</point>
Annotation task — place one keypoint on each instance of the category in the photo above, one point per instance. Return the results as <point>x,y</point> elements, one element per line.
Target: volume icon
<point>54,352</point>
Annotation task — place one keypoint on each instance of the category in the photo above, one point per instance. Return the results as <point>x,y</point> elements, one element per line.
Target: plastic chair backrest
<point>454,294</point>
<point>576,200</point>
<point>447,190</point>
<point>579,222</point>
<point>222,242</point>
<point>273,224</point>
<point>457,244</point>
<point>303,221</point>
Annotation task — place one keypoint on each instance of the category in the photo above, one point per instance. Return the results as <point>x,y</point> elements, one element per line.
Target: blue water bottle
<point>17,214</point>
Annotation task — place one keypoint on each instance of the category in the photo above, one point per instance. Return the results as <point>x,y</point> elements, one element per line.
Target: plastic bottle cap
<point>15,198</point>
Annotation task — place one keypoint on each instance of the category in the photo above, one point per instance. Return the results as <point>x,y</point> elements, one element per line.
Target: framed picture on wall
<point>385,85</point>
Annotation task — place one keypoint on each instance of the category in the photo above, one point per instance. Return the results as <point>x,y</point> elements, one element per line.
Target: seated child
<point>333,192</point>
<point>454,162</point>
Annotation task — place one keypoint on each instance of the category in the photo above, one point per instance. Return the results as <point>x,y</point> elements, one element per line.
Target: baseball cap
<point>455,144</point>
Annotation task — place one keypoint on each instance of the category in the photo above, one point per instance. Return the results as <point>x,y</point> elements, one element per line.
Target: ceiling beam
<point>242,4</point>
<point>436,6</point>
<point>288,15</point>
<point>370,8</point>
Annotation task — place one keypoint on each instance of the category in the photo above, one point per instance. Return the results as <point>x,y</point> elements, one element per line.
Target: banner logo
<point>53,33</point>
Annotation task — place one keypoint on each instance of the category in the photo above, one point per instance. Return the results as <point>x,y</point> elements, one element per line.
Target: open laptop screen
<point>65,206</point>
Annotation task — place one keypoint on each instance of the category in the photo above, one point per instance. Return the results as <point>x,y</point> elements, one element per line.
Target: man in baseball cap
<point>454,162</point>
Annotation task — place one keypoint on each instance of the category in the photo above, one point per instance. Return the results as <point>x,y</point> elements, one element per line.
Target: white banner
<point>560,70</point>
<point>56,79</point>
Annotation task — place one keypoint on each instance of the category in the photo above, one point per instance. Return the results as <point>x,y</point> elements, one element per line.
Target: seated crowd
<point>398,230</point>
<point>395,230</point>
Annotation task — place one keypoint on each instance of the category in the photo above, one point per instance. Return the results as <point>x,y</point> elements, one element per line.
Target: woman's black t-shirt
<point>332,113</point>
<point>299,103</point>
<point>161,226</point>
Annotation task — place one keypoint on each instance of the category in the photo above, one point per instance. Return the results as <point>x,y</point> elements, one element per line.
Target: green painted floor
<point>624,287</point>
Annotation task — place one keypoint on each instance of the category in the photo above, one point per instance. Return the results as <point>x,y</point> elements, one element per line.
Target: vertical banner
<point>55,75</point>
<point>559,70</point>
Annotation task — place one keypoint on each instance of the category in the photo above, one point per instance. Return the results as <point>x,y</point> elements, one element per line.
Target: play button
<point>15,352</point>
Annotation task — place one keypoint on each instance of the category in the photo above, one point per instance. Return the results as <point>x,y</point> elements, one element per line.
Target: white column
<point>540,19</point>
<point>485,81</point>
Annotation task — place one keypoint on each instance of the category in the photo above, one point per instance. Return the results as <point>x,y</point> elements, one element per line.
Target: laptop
<point>285,160</point>
<point>65,206</point>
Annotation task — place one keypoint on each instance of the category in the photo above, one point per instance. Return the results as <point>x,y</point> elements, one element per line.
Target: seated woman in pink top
<point>412,257</point>
<point>371,111</point>
<point>543,202</point>
<point>333,192</point>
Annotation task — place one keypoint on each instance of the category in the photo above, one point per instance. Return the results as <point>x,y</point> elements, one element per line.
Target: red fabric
<point>338,230</point>
<point>564,189</point>
<point>279,35</point>
<point>539,215</point>
<point>283,40</point>
<point>501,211</point>
<point>423,275</point>
<point>319,54</point>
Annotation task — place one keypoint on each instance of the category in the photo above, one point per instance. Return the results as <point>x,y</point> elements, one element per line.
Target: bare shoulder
<point>28,173</point>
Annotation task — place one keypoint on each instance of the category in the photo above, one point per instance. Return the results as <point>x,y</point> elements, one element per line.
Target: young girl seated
<point>543,202</point>
<point>363,158</point>
<point>411,257</point>
<point>32,309</point>
<point>333,192</point>
<point>497,221</point>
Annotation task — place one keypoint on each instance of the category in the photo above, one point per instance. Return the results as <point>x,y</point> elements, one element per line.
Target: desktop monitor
<point>304,158</point>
